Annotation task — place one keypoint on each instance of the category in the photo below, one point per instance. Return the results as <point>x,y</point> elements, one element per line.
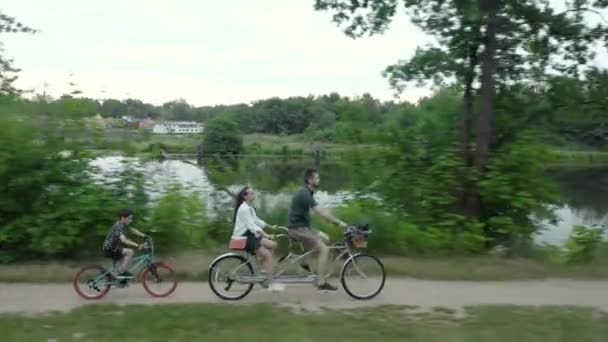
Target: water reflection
<point>274,180</point>
<point>584,191</point>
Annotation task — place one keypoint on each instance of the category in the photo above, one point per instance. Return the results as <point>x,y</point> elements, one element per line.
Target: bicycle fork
<point>154,271</point>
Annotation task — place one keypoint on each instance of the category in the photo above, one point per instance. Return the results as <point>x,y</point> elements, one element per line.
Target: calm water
<point>584,192</point>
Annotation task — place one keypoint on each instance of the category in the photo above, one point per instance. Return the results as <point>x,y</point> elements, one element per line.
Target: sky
<point>206,52</point>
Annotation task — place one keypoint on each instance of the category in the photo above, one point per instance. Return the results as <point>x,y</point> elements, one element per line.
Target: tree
<point>579,108</point>
<point>222,136</point>
<point>178,110</point>
<point>283,116</point>
<point>484,46</point>
<point>9,25</point>
<point>113,108</point>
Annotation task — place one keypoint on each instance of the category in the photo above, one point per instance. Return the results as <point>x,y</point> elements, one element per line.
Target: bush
<point>583,244</point>
<point>222,136</point>
<point>178,220</point>
<point>516,192</point>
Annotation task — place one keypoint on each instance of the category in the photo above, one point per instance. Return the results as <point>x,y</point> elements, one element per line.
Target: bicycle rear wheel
<point>92,282</point>
<point>159,280</point>
<point>363,276</point>
<point>224,276</point>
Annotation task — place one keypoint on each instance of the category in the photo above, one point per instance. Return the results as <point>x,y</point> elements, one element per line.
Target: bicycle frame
<point>137,264</point>
<point>290,259</point>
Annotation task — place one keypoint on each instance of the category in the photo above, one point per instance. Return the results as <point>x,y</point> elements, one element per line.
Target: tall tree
<point>485,46</point>
<point>7,70</point>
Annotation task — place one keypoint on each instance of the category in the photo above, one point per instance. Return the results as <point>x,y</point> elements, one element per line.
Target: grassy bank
<point>267,323</point>
<point>581,158</point>
<point>137,143</point>
<point>193,266</point>
<point>297,144</point>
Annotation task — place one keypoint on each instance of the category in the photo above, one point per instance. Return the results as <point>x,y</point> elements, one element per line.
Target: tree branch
<point>586,9</point>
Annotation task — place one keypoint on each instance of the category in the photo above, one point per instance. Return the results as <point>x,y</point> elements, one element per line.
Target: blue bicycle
<point>158,279</point>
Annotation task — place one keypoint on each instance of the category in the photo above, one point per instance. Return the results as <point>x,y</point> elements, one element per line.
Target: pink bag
<point>238,242</point>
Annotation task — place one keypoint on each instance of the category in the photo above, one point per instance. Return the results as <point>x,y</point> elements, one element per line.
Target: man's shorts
<point>309,237</point>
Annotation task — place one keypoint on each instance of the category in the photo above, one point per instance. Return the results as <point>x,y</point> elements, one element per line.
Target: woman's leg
<point>271,245</point>
<point>267,262</point>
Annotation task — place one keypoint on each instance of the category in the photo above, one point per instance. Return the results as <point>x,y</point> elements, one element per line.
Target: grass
<point>490,268</point>
<point>193,265</point>
<point>253,143</point>
<point>209,322</point>
<point>564,157</point>
<point>298,143</point>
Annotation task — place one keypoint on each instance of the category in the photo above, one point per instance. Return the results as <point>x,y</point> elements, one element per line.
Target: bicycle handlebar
<point>149,243</point>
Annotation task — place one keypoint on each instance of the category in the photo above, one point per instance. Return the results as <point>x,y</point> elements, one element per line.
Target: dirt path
<point>40,298</point>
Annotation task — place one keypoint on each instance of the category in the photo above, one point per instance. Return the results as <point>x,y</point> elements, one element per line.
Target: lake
<point>584,191</point>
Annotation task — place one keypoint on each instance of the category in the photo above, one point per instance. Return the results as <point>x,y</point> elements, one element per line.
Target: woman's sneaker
<point>276,287</point>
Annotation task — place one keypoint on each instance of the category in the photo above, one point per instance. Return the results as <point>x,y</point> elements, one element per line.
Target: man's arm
<point>137,232</point>
<point>324,213</point>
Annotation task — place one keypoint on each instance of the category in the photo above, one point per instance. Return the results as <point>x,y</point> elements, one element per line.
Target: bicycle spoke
<point>231,277</point>
<point>363,277</point>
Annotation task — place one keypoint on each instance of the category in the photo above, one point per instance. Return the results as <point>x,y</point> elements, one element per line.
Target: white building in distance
<point>177,127</point>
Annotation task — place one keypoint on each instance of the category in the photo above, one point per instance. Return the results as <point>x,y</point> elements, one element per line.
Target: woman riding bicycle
<point>248,224</point>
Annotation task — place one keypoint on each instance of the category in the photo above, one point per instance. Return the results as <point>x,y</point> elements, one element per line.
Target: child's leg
<point>127,256</point>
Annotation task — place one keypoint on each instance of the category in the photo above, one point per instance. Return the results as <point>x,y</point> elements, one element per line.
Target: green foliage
<point>583,244</point>
<point>515,189</point>
<point>178,219</point>
<point>222,137</point>
<point>51,206</point>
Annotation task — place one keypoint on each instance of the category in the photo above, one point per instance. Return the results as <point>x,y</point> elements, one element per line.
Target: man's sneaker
<point>306,268</point>
<point>327,287</point>
<point>266,282</point>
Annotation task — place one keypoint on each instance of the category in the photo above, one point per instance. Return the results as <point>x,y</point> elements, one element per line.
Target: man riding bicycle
<point>300,229</point>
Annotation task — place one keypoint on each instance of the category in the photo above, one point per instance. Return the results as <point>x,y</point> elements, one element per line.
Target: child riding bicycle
<point>114,244</point>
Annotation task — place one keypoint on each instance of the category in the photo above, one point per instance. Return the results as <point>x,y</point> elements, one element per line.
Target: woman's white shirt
<point>247,220</point>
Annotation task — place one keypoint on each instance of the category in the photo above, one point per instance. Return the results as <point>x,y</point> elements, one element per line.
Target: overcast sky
<point>206,52</point>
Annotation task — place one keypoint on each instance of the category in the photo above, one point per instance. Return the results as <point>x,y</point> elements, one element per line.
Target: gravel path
<point>40,298</point>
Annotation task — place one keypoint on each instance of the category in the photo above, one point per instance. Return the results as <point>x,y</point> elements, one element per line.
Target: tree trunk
<point>488,88</point>
<point>468,200</point>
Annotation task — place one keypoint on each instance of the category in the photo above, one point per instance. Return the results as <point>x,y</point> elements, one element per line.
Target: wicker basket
<point>359,242</point>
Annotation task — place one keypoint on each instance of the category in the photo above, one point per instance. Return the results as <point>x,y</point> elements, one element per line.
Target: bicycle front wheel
<point>159,280</point>
<point>227,275</point>
<point>363,276</point>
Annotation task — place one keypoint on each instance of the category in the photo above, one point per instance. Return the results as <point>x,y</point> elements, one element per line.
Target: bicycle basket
<point>359,241</point>
<point>358,236</point>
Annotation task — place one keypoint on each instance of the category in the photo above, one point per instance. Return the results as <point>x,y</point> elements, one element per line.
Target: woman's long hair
<point>240,198</point>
